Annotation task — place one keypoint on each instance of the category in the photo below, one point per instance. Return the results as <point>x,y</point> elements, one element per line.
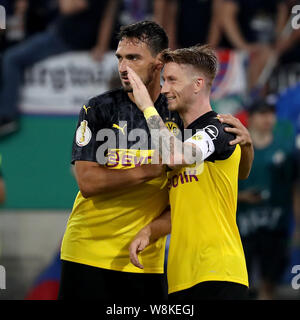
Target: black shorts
<point>212,290</point>
<point>79,281</point>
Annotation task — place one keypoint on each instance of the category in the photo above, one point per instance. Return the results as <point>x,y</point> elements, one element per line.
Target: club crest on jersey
<point>212,131</point>
<point>197,137</point>
<point>83,134</point>
<point>173,127</point>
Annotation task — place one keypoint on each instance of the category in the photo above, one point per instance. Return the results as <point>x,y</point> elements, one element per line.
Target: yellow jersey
<point>205,244</point>
<point>101,228</point>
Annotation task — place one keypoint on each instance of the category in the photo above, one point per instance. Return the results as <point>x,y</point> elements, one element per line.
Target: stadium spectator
<point>190,22</point>
<point>254,26</point>
<point>132,11</point>
<point>78,27</point>
<point>265,198</point>
<point>15,23</point>
<point>39,15</point>
<point>287,110</point>
<point>206,258</point>
<point>288,48</point>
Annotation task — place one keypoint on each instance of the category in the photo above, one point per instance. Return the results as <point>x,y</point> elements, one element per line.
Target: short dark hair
<point>202,58</point>
<point>146,31</point>
<point>261,105</point>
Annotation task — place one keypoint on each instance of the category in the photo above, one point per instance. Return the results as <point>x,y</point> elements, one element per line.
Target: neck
<point>194,111</point>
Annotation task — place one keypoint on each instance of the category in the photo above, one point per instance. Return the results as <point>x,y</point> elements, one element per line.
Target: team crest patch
<point>197,137</point>
<point>212,131</point>
<point>173,127</point>
<point>83,134</point>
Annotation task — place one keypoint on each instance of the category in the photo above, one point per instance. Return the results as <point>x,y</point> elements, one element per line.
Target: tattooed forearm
<point>170,148</point>
<point>161,138</point>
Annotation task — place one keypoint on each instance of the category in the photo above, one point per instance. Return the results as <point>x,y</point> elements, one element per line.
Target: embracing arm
<point>247,156</point>
<point>244,139</point>
<point>2,191</point>
<point>159,227</point>
<point>94,179</point>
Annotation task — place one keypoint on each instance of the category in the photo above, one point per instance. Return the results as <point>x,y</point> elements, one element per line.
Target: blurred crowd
<point>37,29</point>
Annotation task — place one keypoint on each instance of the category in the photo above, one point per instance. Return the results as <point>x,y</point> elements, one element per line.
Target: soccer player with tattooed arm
<point>206,258</point>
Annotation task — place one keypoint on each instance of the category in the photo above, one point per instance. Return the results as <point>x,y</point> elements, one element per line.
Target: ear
<point>158,62</point>
<point>199,84</point>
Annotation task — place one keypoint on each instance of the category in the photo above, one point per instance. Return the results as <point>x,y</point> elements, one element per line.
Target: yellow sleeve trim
<point>149,112</point>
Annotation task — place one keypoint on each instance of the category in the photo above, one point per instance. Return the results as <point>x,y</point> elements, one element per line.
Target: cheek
<point>186,94</point>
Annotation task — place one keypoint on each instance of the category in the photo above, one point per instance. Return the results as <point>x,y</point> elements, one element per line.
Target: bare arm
<point>296,209</point>
<point>244,139</point>
<point>94,179</point>
<point>214,33</point>
<point>159,9</point>
<point>285,43</point>
<point>247,156</point>
<point>281,18</point>
<point>105,30</point>
<point>2,191</point>
<point>165,13</point>
<point>156,229</point>
<point>231,27</point>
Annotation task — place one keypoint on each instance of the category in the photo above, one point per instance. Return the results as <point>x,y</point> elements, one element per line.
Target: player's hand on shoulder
<point>242,134</point>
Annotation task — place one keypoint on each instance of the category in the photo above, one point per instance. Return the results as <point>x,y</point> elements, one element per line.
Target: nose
<point>122,66</point>
<point>165,88</point>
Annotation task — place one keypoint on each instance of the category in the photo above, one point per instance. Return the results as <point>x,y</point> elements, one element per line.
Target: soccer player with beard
<point>119,197</point>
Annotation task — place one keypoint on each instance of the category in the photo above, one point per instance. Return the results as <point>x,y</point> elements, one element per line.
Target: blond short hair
<point>202,58</point>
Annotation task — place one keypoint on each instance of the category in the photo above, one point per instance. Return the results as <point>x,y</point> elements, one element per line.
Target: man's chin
<point>172,107</point>
<point>127,88</point>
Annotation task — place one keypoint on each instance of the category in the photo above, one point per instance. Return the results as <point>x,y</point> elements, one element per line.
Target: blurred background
<point>55,54</point>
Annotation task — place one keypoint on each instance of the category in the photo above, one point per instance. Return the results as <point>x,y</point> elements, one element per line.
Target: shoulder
<point>107,98</point>
<point>102,106</point>
<point>221,138</point>
<point>210,123</point>
<point>216,130</point>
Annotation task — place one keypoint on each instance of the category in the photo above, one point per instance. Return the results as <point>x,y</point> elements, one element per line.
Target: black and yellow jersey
<point>101,228</point>
<point>205,243</point>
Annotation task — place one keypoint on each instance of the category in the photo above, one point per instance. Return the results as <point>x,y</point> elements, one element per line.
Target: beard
<point>127,88</point>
